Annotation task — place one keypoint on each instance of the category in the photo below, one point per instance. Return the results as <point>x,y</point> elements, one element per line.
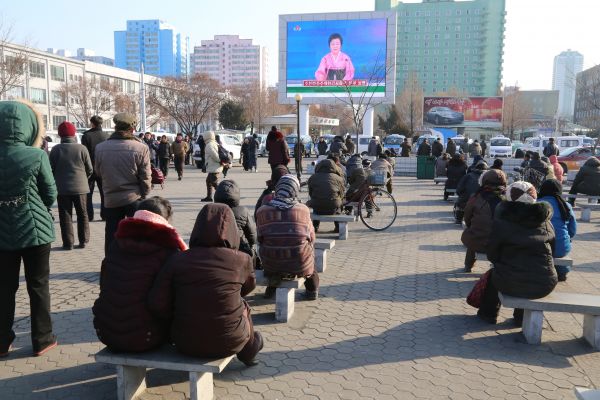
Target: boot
<point>209,197</point>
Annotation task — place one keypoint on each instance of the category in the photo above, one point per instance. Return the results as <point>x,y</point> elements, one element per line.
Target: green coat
<point>27,187</point>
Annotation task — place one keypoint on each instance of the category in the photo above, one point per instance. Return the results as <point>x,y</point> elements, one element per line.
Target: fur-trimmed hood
<point>524,214</point>
<point>133,233</point>
<point>20,122</point>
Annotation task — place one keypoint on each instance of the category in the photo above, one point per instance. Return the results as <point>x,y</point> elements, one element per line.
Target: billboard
<point>329,56</point>
<point>485,112</point>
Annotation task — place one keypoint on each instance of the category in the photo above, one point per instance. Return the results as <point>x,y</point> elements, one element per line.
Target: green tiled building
<point>449,46</point>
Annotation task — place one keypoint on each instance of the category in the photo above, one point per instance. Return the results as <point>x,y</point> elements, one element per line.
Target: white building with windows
<point>231,61</point>
<point>45,75</point>
<point>566,67</point>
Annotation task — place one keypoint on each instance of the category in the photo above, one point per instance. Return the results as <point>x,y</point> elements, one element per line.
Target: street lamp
<point>297,149</point>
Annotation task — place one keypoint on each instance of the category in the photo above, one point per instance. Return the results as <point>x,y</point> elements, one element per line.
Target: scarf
<point>553,188</point>
<point>286,193</point>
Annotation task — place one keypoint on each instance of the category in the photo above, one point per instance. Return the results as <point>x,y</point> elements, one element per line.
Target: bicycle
<point>377,207</point>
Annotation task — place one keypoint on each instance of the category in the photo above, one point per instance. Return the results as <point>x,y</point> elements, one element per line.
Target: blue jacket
<point>564,230</point>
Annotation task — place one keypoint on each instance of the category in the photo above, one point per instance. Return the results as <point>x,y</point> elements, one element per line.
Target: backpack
<point>223,155</point>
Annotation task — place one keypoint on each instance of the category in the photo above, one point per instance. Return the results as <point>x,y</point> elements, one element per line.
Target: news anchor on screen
<point>335,65</point>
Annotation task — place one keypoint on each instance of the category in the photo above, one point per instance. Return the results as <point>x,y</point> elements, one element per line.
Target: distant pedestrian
<point>375,148</point>
<point>213,165</point>
<point>338,146</point>
<point>551,148</point>
<point>72,167</point>
<point>123,164</point>
<point>244,154</point>
<point>179,149</point>
<point>90,139</point>
<point>322,146</point>
<point>437,148</point>
<point>164,155</point>
<point>253,146</point>
<point>201,146</point>
<point>406,148</point>
<point>279,153</point>
<point>225,163</point>
<point>483,147</point>
<point>149,140</point>
<point>27,190</point>
<point>498,163</point>
<point>475,149</point>
<point>424,149</point>
<point>350,146</point>
<point>451,147</point>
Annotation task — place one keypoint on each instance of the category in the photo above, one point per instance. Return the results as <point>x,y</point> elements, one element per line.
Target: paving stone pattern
<point>391,321</point>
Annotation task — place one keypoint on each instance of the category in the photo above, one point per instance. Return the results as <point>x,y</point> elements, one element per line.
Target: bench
<point>341,219</point>
<point>533,318</point>
<point>284,295</point>
<point>563,261</point>
<point>587,394</point>
<point>131,370</point>
<point>452,194</point>
<point>440,179</point>
<point>321,247</point>
<point>586,211</point>
<point>580,196</point>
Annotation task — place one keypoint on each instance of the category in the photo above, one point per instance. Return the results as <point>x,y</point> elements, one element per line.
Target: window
<point>15,92</point>
<point>57,73</point>
<point>37,69</point>
<point>57,120</point>
<point>57,98</point>
<point>15,63</point>
<point>38,96</point>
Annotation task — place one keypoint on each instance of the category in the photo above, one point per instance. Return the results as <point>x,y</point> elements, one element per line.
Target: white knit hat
<point>521,191</point>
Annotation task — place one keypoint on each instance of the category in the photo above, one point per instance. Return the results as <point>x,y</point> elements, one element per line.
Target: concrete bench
<point>563,261</point>
<point>131,370</point>
<point>586,211</point>
<point>440,179</point>
<point>284,295</point>
<point>533,318</point>
<point>587,394</point>
<point>453,198</point>
<point>341,219</point>
<point>580,196</point>
<point>321,248</point>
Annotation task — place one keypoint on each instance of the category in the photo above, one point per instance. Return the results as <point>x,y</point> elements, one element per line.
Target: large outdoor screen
<point>328,56</point>
<point>462,111</point>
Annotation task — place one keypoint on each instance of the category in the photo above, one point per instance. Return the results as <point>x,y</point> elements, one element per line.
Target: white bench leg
<point>320,260</point>
<point>343,230</point>
<point>284,303</point>
<point>201,386</point>
<point>591,330</point>
<point>533,322</point>
<point>586,214</point>
<point>131,382</point>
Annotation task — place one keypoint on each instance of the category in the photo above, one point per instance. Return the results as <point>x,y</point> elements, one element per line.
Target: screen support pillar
<point>368,122</point>
<point>304,118</point>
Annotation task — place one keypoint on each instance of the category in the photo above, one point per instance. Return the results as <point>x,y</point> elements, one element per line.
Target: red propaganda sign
<point>462,111</point>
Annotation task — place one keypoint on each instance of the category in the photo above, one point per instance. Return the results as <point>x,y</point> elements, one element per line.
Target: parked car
<point>573,158</point>
<point>309,147</point>
<point>393,142</point>
<point>444,116</point>
<point>262,148</point>
<point>500,146</point>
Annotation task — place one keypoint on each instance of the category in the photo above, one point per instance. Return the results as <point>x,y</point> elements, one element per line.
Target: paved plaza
<point>391,321</point>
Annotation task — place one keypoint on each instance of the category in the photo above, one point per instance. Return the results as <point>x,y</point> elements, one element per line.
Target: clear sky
<point>536,30</point>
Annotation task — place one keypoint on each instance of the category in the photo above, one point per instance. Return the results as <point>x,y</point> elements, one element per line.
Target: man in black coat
<point>90,139</point>
<point>424,149</point>
<point>451,147</point>
<point>437,148</point>
<point>551,148</point>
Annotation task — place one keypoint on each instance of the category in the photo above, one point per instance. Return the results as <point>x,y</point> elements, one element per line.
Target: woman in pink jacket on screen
<point>335,65</point>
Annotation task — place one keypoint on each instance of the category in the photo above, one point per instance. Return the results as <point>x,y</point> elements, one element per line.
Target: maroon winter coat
<point>202,288</point>
<point>277,147</point>
<point>121,317</point>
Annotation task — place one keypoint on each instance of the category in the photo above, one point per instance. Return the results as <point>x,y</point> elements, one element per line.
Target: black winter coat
<point>338,146</point>
<point>520,249</point>
<point>164,150</point>
<point>451,148</point>
<point>424,149</point>
<point>326,187</point>
<point>587,180</point>
<point>91,138</point>
<point>437,149</point>
<point>322,148</point>
<point>228,192</point>
<point>468,186</point>
<point>455,170</point>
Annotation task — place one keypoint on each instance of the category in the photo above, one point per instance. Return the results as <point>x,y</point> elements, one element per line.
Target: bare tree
<point>88,96</point>
<point>588,99</point>
<point>410,104</point>
<point>130,103</point>
<point>516,113</point>
<point>189,103</point>
<point>253,98</point>
<point>13,60</point>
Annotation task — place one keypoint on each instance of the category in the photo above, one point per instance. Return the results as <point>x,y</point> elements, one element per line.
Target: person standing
<point>424,149</point>
<point>374,148</point>
<point>164,155</point>
<point>405,148</point>
<point>350,146</point>
<point>90,139</point>
<point>27,190</point>
<point>322,146</point>
<point>152,146</point>
<point>279,153</point>
<point>72,167</point>
<point>483,147</point>
<point>475,149</point>
<point>252,149</point>
<point>123,164</point>
<point>179,149</point>
<point>451,147</point>
<point>202,146</point>
<point>213,164</point>
<point>244,154</point>
<point>551,148</point>
<point>188,154</point>
<point>437,148</point>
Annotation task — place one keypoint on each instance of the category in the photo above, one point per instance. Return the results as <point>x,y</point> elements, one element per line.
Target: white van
<point>535,144</point>
<point>363,143</point>
<point>500,146</point>
<point>564,142</point>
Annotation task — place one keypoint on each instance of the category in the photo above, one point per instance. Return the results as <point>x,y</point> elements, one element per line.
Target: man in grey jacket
<point>72,167</point>
<point>123,164</point>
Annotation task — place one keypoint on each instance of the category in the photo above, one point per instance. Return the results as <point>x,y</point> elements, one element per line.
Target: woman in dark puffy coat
<point>279,153</point>
<point>520,250</point>
<point>201,290</point>
<point>467,186</point>
<point>455,170</point>
<point>326,188</point>
<point>228,192</point>
<point>587,180</point>
<point>479,214</point>
<point>141,247</point>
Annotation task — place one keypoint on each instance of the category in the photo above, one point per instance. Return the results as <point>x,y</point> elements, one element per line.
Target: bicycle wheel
<point>377,209</point>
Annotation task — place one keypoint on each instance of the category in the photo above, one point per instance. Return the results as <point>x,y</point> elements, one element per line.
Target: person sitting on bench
<point>326,190</point>
<point>455,170</point>
<point>467,187</point>
<point>286,237</point>
<point>479,214</point>
<point>520,250</point>
<point>141,247</point>
<point>382,163</point>
<point>201,290</point>
<point>276,172</point>
<point>587,180</point>
<point>563,222</point>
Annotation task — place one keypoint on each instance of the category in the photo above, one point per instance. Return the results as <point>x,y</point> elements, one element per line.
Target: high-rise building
<point>230,60</point>
<point>156,44</point>
<point>83,55</point>
<point>566,67</point>
<point>587,99</point>
<point>449,46</point>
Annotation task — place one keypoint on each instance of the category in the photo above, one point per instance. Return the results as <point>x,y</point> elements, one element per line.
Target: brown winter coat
<point>121,317</point>
<point>326,187</point>
<point>479,217</point>
<point>286,239</point>
<point>179,149</point>
<point>201,289</point>
<point>277,147</point>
